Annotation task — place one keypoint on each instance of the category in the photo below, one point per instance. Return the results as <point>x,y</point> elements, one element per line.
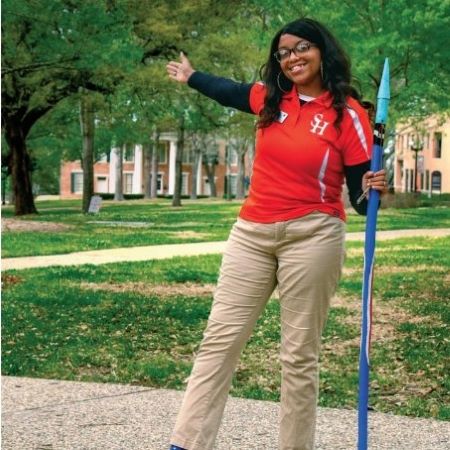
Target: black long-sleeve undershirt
<point>223,90</point>
<point>353,179</point>
<point>237,95</point>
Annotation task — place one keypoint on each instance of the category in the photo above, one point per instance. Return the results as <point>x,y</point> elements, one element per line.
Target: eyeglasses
<point>284,53</point>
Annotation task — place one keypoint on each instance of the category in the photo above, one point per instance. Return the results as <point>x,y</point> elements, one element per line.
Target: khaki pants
<point>304,257</point>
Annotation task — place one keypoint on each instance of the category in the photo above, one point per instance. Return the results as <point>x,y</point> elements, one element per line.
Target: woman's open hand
<point>180,71</point>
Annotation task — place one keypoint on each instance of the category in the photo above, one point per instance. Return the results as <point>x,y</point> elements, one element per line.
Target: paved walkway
<point>65,415</point>
<point>169,251</point>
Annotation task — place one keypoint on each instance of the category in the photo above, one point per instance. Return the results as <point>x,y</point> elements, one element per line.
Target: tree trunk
<point>118,191</point>
<point>228,193</point>
<point>155,163</point>
<point>148,149</point>
<point>178,165</point>
<point>4,177</point>
<point>20,168</point>
<point>195,170</point>
<point>211,173</point>
<point>87,131</point>
<point>240,183</point>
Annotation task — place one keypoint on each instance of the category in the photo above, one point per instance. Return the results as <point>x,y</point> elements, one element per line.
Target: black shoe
<point>174,447</point>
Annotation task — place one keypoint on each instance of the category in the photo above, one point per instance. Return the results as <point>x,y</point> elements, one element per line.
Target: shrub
<point>402,200</point>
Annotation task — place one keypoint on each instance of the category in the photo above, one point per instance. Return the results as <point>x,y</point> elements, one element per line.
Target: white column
<point>137,172</point>
<point>112,170</point>
<point>172,160</point>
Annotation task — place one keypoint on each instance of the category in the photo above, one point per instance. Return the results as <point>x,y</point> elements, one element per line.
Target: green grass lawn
<point>125,224</point>
<point>63,229</point>
<point>141,323</point>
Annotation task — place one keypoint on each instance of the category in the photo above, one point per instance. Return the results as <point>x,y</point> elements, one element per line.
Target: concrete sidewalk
<point>171,250</point>
<point>65,415</point>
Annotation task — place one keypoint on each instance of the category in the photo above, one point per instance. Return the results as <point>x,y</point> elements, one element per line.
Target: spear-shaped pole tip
<point>384,95</point>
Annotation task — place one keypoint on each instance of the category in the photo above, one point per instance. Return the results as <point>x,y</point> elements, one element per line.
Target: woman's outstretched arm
<point>223,90</point>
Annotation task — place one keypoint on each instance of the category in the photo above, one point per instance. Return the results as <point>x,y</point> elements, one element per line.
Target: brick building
<point>71,175</point>
<point>430,141</point>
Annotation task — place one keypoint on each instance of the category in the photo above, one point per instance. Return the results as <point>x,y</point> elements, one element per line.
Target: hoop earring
<point>321,69</point>
<point>279,84</point>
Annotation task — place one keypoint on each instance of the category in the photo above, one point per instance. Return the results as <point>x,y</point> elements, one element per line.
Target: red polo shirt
<point>299,160</point>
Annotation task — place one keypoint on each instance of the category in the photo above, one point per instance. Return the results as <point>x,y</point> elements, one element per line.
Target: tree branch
<point>38,66</point>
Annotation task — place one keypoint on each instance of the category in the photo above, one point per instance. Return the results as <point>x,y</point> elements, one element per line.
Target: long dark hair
<point>336,70</point>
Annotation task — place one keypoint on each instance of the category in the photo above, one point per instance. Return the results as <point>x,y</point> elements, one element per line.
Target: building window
<point>437,147</point>
<point>127,183</point>
<point>162,152</point>
<point>436,180</point>
<point>427,180</point>
<point>412,176</point>
<point>128,153</point>
<point>76,183</point>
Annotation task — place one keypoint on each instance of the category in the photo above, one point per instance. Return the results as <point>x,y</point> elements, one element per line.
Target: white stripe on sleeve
<point>359,129</point>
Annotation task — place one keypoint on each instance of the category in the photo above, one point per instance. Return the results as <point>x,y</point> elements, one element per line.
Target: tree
<point>118,188</point>
<point>54,137</point>
<point>409,33</point>
<point>239,145</point>
<point>49,50</point>
<point>87,125</point>
<point>154,166</point>
<point>228,159</point>
<point>147,149</point>
<point>176,201</point>
<point>196,149</point>
<point>210,161</point>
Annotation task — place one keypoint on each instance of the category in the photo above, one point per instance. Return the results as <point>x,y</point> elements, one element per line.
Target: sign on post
<point>95,204</point>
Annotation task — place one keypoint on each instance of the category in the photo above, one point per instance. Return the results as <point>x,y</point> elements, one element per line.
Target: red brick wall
<point>102,169</point>
<point>67,167</point>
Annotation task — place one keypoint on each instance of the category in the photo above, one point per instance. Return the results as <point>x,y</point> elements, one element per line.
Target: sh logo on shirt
<point>318,125</point>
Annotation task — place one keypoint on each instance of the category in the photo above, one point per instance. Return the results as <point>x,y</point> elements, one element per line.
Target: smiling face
<point>303,69</point>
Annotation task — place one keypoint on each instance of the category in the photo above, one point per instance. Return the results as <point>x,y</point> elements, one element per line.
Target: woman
<point>312,132</point>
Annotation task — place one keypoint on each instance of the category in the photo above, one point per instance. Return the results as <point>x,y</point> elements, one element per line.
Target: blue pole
<point>369,259</point>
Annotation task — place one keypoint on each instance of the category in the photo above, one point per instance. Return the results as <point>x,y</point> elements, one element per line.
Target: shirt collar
<point>325,99</point>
